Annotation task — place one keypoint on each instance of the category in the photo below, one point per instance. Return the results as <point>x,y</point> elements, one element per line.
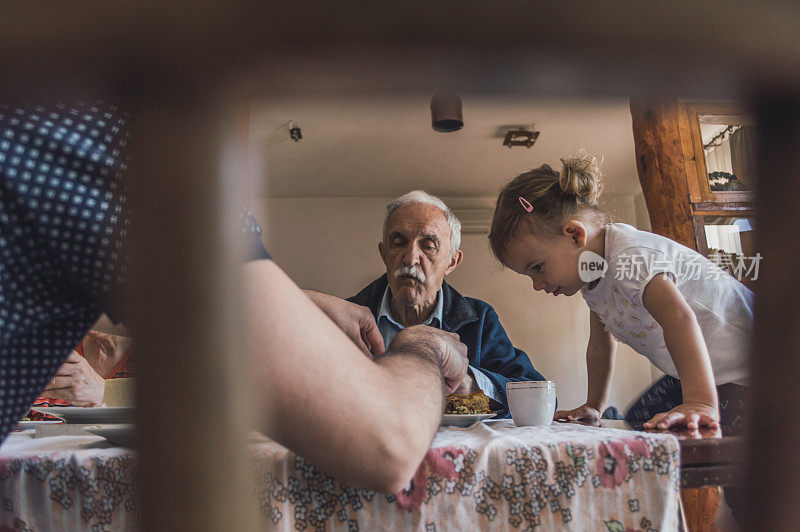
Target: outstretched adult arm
<point>356,321</point>
<point>366,422</point>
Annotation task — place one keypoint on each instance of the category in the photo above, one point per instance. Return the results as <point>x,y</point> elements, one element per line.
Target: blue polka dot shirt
<point>63,228</point>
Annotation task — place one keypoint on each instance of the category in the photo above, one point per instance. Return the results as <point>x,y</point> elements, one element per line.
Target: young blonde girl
<point>666,301</point>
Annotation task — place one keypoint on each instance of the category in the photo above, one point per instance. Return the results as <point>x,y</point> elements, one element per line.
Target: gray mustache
<point>410,271</point>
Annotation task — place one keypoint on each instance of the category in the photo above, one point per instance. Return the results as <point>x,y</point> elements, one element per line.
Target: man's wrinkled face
<point>416,252</point>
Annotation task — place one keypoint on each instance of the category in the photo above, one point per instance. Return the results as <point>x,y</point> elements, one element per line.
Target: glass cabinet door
<point>724,140</point>
<point>730,153</point>
<point>728,241</point>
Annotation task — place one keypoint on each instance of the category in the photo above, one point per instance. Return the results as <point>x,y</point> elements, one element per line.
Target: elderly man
<point>421,238</point>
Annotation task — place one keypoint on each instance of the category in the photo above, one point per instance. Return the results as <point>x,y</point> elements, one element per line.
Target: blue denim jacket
<point>478,327</point>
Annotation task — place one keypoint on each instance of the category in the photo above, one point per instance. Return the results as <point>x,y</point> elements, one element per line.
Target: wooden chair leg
<point>684,527</point>
<point>699,507</point>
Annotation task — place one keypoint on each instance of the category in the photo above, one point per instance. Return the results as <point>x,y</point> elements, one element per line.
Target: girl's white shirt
<point>723,305</point>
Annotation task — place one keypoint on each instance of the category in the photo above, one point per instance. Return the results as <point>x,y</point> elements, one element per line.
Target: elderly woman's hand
<point>356,321</point>
<point>105,351</point>
<point>77,383</point>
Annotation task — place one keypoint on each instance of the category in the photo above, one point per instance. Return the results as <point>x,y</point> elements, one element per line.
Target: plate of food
<point>462,410</point>
<point>464,420</point>
<point>121,434</point>
<point>89,414</point>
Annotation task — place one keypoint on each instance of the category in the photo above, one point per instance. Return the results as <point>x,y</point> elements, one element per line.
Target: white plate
<point>463,420</point>
<point>26,424</point>
<point>89,414</point>
<point>119,434</point>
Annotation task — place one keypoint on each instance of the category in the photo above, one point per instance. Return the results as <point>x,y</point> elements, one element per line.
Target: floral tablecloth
<point>66,483</point>
<point>491,476</point>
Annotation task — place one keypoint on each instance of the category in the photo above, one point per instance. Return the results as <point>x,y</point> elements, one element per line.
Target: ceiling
<point>375,146</point>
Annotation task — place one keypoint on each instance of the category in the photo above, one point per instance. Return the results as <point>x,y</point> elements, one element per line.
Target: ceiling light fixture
<point>520,137</point>
<point>446,113</point>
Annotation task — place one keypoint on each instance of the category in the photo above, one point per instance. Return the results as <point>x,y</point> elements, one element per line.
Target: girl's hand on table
<point>585,413</point>
<point>690,415</point>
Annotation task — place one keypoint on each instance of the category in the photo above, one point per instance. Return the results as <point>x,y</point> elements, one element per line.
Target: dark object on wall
<point>295,133</point>
<point>520,137</point>
<point>446,115</point>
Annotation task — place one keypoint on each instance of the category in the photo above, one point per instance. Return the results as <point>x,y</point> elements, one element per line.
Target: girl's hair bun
<point>581,177</point>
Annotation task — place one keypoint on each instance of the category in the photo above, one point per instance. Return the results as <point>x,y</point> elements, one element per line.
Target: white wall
<point>331,245</point>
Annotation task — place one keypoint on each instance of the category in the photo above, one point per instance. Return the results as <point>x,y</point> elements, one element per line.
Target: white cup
<point>120,392</point>
<point>532,403</point>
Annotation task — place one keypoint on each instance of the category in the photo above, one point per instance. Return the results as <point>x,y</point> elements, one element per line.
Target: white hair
<point>420,196</point>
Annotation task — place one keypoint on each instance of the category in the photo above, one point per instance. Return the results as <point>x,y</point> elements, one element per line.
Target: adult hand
<point>77,383</point>
<point>445,347</point>
<point>690,415</point>
<point>467,385</point>
<point>104,351</point>
<point>356,321</point>
<point>585,413</point>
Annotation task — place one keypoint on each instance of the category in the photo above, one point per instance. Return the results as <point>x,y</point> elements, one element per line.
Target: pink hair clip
<point>526,204</point>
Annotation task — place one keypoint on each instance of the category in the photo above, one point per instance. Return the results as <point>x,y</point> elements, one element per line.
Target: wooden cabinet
<point>696,164</point>
<point>718,140</point>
